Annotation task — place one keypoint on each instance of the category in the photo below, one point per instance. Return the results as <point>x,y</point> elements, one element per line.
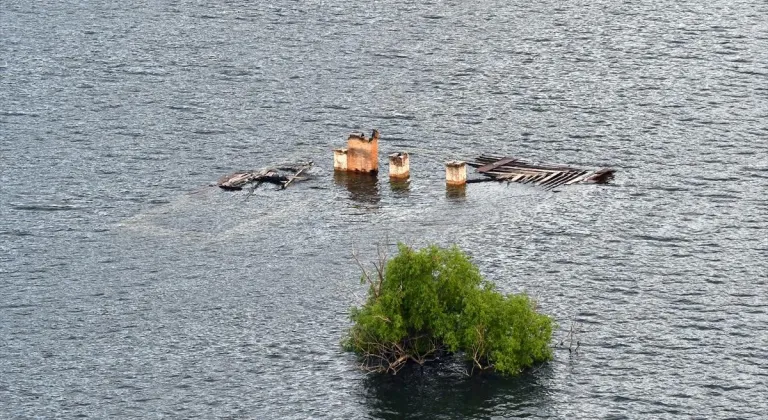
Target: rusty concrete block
<point>363,153</point>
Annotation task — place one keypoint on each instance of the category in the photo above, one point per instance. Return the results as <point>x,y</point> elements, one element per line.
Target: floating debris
<point>282,175</point>
<point>511,169</point>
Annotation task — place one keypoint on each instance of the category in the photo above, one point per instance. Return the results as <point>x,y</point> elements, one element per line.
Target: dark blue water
<point>129,287</point>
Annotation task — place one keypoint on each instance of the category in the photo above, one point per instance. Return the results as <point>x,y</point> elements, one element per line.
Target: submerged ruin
<point>281,175</point>
<point>547,175</point>
<point>361,156</point>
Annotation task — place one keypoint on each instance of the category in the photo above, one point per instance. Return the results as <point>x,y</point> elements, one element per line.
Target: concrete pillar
<point>363,153</point>
<point>340,160</point>
<point>455,173</point>
<point>399,166</point>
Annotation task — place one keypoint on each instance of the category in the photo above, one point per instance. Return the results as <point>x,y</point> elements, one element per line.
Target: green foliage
<point>428,302</point>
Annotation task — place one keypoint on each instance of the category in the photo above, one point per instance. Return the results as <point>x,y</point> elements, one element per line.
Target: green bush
<point>430,302</point>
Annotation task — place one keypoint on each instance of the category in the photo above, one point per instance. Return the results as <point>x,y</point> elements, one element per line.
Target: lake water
<point>131,287</point>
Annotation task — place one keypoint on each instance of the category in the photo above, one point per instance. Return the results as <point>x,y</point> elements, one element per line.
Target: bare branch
<point>362,268</point>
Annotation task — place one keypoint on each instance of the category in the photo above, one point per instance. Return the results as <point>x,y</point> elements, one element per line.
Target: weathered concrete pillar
<point>363,153</point>
<point>399,166</point>
<point>340,160</point>
<point>455,173</point>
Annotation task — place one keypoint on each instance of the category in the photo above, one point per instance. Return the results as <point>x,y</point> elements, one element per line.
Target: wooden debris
<point>293,178</point>
<point>547,175</point>
<point>279,175</point>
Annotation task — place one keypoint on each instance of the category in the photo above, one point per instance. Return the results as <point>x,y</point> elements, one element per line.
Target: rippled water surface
<point>130,287</point>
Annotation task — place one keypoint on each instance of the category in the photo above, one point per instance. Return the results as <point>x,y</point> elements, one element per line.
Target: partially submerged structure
<point>455,173</point>
<point>282,175</point>
<point>399,166</point>
<point>360,155</point>
<point>547,175</point>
